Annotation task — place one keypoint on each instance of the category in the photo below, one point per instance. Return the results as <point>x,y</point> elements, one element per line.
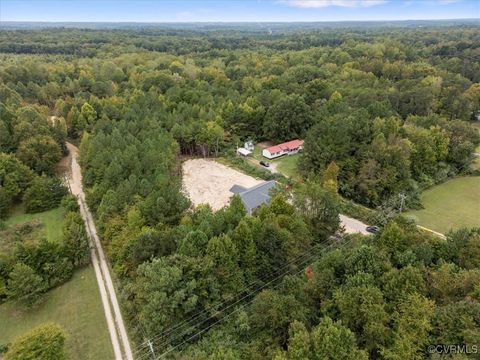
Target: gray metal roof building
<point>255,196</point>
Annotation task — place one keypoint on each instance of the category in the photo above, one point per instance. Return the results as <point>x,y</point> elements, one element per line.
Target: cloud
<point>446,2</point>
<point>184,15</point>
<point>340,3</point>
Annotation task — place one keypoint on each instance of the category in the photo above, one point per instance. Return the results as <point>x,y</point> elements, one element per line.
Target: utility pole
<point>150,345</point>
<point>402,201</point>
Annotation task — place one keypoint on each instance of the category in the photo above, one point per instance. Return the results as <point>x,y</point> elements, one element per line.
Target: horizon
<point>233,22</point>
<point>268,11</point>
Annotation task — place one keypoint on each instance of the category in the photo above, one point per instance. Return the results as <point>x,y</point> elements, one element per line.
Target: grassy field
<point>77,307</point>
<point>450,205</point>
<point>286,165</point>
<point>51,220</point>
<point>476,163</point>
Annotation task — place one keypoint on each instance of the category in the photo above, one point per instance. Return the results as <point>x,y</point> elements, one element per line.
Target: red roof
<point>289,145</point>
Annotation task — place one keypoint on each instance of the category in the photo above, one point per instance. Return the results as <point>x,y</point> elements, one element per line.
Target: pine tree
<point>330,178</point>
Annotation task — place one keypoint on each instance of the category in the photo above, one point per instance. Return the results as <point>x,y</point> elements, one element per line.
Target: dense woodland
<point>390,111</point>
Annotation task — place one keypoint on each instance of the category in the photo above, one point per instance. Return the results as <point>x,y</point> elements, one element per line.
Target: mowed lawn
<point>476,162</point>
<point>52,221</point>
<point>286,165</point>
<point>76,306</point>
<point>451,205</point>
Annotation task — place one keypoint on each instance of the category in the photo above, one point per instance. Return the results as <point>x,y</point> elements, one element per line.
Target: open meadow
<point>451,205</point>
<point>75,306</point>
<point>50,221</point>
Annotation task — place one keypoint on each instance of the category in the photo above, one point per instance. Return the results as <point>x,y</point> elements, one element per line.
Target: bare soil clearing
<point>208,182</point>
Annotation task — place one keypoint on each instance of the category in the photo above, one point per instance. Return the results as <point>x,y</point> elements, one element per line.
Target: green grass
<point>476,162</point>
<point>257,153</point>
<point>76,306</point>
<point>451,205</point>
<point>52,221</point>
<point>286,165</point>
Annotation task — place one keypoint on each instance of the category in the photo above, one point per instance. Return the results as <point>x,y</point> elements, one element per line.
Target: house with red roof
<point>287,148</point>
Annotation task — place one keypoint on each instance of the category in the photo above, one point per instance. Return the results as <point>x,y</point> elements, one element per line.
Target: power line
<point>264,277</point>
<point>198,314</point>
<point>223,318</point>
<point>236,302</point>
<point>304,262</point>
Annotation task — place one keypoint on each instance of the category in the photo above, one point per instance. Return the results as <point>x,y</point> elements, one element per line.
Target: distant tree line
<point>382,112</point>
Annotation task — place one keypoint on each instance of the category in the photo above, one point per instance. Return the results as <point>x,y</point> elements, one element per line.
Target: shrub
<point>4,348</point>
<point>75,239</point>
<point>69,202</point>
<point>252,170</point>
<point>45,342</point>
<point>357,211</point>
<point>44,194</point>
<point>24,285</point>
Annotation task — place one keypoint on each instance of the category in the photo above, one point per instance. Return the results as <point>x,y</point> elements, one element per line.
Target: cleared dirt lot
<point>208,182</point>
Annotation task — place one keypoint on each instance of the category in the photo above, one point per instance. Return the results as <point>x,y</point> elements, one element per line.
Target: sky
<point>235,10</point>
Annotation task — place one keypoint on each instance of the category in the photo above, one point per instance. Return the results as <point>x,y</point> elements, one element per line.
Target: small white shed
<point>243,152</point>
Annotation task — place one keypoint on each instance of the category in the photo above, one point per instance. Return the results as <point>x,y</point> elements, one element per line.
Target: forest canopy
<point>382,112</point>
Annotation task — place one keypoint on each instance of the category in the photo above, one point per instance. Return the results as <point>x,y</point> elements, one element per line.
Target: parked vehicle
<point>264,163</point>
<point>372,229</point>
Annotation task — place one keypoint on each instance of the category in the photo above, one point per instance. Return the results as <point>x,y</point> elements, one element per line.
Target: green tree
<point>41,153</point>
<point>242,237</point>
<point>398,284</point>
<point>224,255</point>
<point>362,309</point>
<point>234,213</point>
<point>288,118</point>
<point>75,239</point>
<point>330,178</point>
<point>210,137</point>
<point>412,327</point>
<point>165,205</point>
<point>30,122</point>
<point>15,178</point>
<point>45,193</point>
<point>319,207</point>
<point>193,244</point>
<point>455,323</point>
<point>332,340</point>
<point>329,340</point>
<point>171,289</point>
<point>88,114</point>
<point>24,285</point>
<point>299,342</point>
<point>45,342</point>
<point>271,315</point>
<point>469,255</point>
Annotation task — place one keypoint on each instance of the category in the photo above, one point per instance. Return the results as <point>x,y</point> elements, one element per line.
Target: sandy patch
<point>209,182</point>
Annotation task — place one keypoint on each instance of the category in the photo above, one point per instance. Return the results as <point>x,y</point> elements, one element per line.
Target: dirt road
<point>116,326</point>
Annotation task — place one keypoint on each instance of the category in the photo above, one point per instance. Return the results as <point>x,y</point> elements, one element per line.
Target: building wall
<point>267,154</point>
